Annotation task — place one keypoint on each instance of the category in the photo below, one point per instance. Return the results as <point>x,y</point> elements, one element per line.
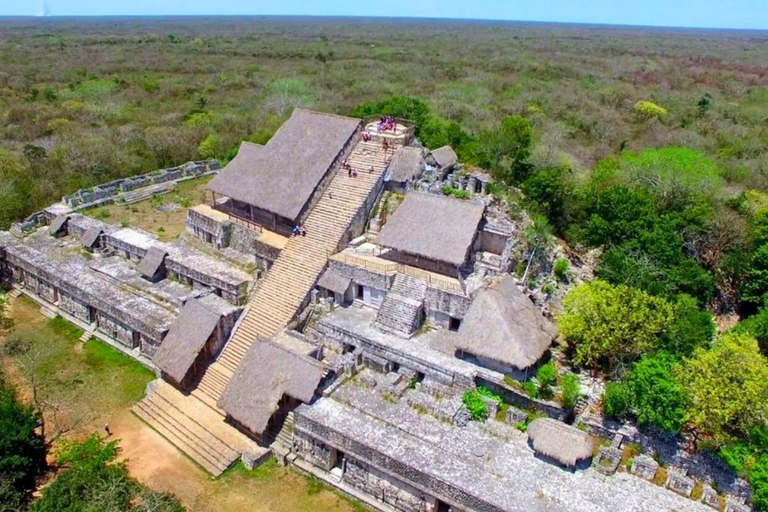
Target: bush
<point>649,110</point>
<point>547,377</point>
<point>561,269</point>
<point>758,481</point>
<point>477,408</point>
<point>617,400</point>
<point>570,389</point>
<point>530,389</point>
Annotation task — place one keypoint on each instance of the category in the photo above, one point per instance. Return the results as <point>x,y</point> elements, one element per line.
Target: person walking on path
<point>107,430</point>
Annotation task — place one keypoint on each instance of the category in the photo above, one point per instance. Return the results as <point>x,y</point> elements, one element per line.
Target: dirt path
<point>155,462</point>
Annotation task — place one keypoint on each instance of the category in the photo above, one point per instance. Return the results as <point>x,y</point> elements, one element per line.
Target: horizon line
<point>353,16</point>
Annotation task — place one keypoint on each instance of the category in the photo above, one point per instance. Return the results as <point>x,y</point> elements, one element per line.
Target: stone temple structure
<point>345,353</point>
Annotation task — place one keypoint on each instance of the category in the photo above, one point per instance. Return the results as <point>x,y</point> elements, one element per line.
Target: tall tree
<point>728,388</point>
<point>610,326</point>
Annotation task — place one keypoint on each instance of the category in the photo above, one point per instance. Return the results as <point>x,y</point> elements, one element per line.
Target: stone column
<point>472,184</point>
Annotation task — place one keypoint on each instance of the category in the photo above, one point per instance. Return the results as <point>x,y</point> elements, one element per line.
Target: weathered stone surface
<point>644,467</point>
<point>607,460</point>
<point>516,416</point>
<point>680,483</point>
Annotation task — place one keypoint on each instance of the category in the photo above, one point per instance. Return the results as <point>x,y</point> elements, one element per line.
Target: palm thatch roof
<point>281,176</point>
<point>334,282</point>
<point>503,325</point>
<point>152,261</point>
<point>58,225</point>
<point>265,375</point>
<point>435,227</point>
<point>406,164</point>
<point>91,236</point>
<point>185,340</point>
<point>444,157</point>
<point>556,440</point>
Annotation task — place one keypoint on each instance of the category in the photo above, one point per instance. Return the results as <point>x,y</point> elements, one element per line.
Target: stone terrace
<point>490,461</point>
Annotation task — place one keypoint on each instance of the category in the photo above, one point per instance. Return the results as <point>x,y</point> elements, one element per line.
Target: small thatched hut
<point>406,165</point>
<point>557,441</point>
<point>443,158</point>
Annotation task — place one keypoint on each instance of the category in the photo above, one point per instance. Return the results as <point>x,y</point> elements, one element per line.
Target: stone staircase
<point>271,308</point>
<point>300,264</point>
<point>194,428</point>
<point>402,311</point>
<point>48,312</point>
<point>15,293</point>
<point>88,333</point>
<point>140,194</point>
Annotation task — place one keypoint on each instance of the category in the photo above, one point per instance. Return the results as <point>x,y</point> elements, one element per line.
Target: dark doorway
<point>360,291</point>
<point>454,324</point>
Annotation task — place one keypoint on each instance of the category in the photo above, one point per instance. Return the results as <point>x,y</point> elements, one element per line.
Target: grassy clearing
<point>145,214</point>
<point>81,386</point>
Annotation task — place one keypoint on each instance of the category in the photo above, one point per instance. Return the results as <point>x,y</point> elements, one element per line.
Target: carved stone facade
<point>391,491</point>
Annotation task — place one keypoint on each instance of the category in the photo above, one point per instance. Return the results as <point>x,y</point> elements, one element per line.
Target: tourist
<point>303,232</point>
<point>107,430</point>
<point>370,171</point>
<point>296,230</point>
<point>349,171</point>
<point>354,173</point>
<point>385,145</point>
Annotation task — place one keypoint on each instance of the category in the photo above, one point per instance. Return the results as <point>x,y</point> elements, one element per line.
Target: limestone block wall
<point>438,267</point>
<point>115,329</point>
<point>396,470</point>
<point>492,241</point>
<point>108,192</point>
<point>198,280</point>
<point>130,251</point>
<point>362,276</point>
<point>75,307</point>
<point>314,451</point>
<point>208,230</point>
<point>385,488</point>
<point>447,303</point>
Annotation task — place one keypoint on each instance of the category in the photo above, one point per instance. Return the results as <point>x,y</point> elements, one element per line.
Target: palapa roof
<point>152,261</point>
<point>58,224</point>
<point>334,281</point>
<point>556,440</point>
<point>435,227</point>
<point>281,176</point>
<point>266,373</point>
<point>406,164</point>
<point>445,157</point>
<point>503,324</point>
<point>90,236</point>
<point>185,340</point>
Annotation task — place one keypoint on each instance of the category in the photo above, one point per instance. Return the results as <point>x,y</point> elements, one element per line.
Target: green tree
<point>657,397</point>
<point>93,481</point>
<point>506,149</point>
<point>610,326</point>
<point>546,376</point>
<point>755,282</point>
<point>756,326</point>
<point>551,190</point>
<point>22,448</point>
<point>728,388</point>
<point>570,389</point>
<point>692,328</point>
<point>617,400</point>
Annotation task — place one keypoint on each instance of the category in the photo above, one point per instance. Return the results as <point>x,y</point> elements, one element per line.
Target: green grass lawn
<point>82,385</point>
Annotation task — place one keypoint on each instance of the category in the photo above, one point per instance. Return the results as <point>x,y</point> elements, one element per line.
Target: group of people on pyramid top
<point>386,123</point>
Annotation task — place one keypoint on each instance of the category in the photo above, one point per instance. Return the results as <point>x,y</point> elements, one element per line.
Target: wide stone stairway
<point>283,291</point>
<point>402,311</point>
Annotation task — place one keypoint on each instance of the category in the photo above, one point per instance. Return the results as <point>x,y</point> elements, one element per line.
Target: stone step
<point>400,315</point>
<point>48,312</point>
<point>15,293</point>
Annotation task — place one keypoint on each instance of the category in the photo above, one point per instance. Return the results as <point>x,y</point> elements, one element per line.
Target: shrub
<point>478,411</point>
<point>561,269</point>
<point>617,400</point>
<point>649,110</point>
<point>530,389</point>
<point>210,147</point>
<point>570,389</point>
<point>549,288</point>
<point>758,480</point>
<point>547,377</point>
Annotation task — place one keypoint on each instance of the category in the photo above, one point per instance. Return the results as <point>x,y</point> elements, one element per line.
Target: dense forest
<point>649,147</point>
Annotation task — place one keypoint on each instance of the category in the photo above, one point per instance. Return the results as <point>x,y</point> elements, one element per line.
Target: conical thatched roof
<point>503,325</point>
<point>556,440</point>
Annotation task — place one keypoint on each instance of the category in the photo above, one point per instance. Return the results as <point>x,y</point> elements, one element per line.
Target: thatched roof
<point>503,324</point>
<point>152,261</point>
<point>91,236</point>
<point>333,281</point>
<point>281,176</point>
<point>435,227</point>
<point>185,340</point>
<point>406,164</point>
<point>556,440</point>
<point>266,373</point>
<point>58,225</point>
<point>444,157</point>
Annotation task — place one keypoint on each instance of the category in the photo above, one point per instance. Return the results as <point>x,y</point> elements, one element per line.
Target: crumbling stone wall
<point>451,304</point>
<point>115,329</point>
<point>107,192</point>
<point>208,230</point>
<point>314,451</point>
<point>362,276</point>
<point>385,488</point>
<point>75,307</point>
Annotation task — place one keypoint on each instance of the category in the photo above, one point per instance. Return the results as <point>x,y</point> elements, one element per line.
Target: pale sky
<point>678,13</point>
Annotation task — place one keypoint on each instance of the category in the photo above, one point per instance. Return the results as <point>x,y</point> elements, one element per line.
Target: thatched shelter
<point>267,374</point>
<point>406,165</point>
<point>151,266</point>
<point>504,328</point>
<point>279,178</point>
<point>434,228</point>
<point>58,226</point>
<point>334,282</point>
<point>557,441</point>
<point>91,236</point>
<point>444,158</point>
<point>182,347</point>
